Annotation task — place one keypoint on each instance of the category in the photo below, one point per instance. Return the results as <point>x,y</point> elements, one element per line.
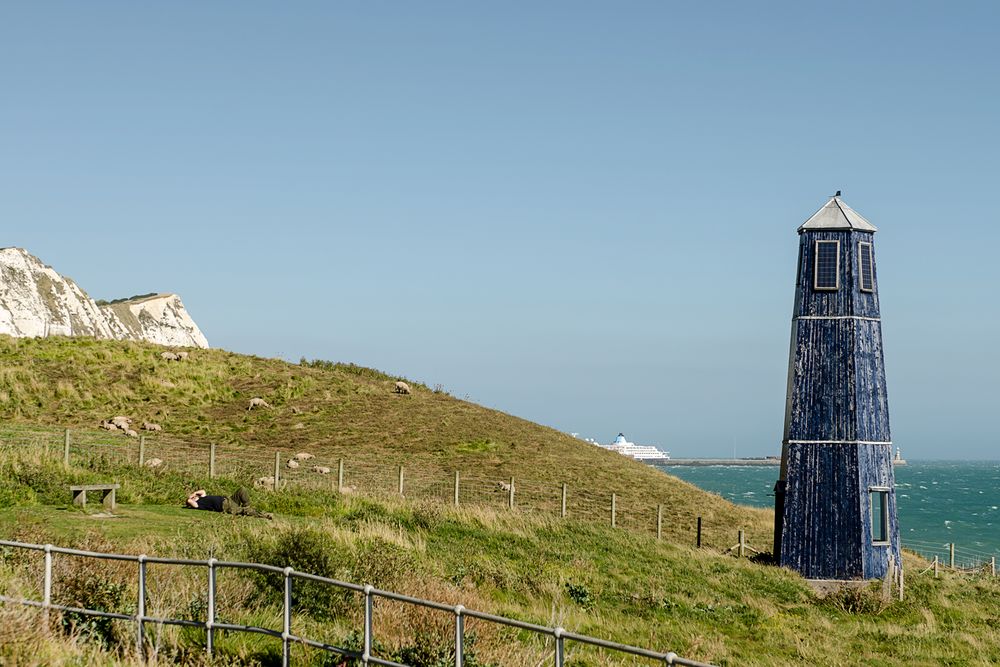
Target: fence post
<point>340,476</point>
<point>459,636</point>
<point>47,584</point>
<point>741,544</point>
<point>277,469</point>
<point>140,608</point>
<point>564,500</point>
<point>368,625</point>
<point>614,509</point>
<point>142,450</point>
<point>560,653</point>
<point>935,567</point>
<point>510,495</point>
<point>66,448</point>
<point>698,542</point>
<point>951,555</point>
<point>286,632</point>
<point>210,623</point>
<point>211,461</point>
<point>401,481</point>
<point>456,488</point>
<point>659,522</point>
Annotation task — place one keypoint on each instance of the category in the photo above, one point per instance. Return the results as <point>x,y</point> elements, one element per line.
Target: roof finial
<point>838,194</point>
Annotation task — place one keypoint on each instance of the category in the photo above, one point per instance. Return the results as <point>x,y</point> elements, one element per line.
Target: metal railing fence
<point>212,624</point>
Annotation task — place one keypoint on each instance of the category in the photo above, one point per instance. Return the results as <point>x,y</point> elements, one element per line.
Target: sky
<point>580,213</point>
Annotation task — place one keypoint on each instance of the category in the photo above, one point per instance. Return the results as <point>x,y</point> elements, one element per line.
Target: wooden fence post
<point>564,500</point>
<point>935,567</point>
<point>340,476</point>
<point>211,461</point>
<point>401,480</point>
<point>510,495</point>
<point>456,488</point>
<point>659,522</point>
<point>277,468</point>
<point>951,555</point>
<point>742,544</point>
<point>614,509</point>
<point>66,448</point>
<point>698,542</point>
<point>142,450</point>
<point>993,566</point>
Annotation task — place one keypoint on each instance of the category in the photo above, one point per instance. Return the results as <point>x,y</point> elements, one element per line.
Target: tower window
<point>826,273</point>
<point>880,516</point>
<point>866,276</point>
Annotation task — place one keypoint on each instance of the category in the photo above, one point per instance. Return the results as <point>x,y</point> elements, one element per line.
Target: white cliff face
<point>158,319</point>
<point>36,301</point>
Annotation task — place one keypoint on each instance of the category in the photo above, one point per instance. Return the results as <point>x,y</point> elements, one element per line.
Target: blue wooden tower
<point>835,500</point>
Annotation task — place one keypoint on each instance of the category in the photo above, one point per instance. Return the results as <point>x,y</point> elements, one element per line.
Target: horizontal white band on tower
<point>838,317</point>
<point>839,442</point>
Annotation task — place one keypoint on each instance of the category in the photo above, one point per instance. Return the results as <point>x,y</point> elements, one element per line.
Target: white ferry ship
<point>637,452</point>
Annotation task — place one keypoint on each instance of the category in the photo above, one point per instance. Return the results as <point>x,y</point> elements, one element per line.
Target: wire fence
<point>281,468</point>
<point>556,637</point>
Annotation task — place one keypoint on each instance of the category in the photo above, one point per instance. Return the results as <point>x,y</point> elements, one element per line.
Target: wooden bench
<point>80,493</point>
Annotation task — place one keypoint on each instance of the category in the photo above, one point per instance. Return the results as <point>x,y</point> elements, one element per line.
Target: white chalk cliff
<point>36,301</point>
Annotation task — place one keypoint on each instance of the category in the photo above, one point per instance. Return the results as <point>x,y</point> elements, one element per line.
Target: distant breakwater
<point>718,462</point>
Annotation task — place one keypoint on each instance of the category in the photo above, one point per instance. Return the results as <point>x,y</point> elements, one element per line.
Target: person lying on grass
<point>238,503</point>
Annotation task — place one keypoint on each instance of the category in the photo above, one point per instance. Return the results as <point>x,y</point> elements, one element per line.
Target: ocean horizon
<point>940,501</point>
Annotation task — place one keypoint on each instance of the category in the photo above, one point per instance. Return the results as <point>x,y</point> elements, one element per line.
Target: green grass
<point>617,584</point>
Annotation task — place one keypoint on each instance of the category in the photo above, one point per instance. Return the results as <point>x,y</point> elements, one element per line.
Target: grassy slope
<point>347,412</point>
<point>588,577</point>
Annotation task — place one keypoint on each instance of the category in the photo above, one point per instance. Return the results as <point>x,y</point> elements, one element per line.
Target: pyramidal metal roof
<point>835,214</point>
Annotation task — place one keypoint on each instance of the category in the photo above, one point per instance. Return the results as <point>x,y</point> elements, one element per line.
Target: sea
<point>939,502</point>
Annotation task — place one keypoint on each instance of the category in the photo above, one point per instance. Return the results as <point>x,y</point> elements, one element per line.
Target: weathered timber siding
<point>836,404</point>
<point>849,299</point>
<point>822,539</point>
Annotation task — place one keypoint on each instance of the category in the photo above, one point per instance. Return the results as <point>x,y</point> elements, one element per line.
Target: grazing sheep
<point>153,463</point>
<point>121,422</point>
<point>257,402</point>
<point>303,456</point>
<point>108,426</point>
<point>130,433</point>
<point>181,356</point>
<point>169,356</point>
<point>402,388</point>
<point>323,470</point>
<point>503,486</point>
<point>292,463</point>
<point>150,426</point>
<point>264,482</point>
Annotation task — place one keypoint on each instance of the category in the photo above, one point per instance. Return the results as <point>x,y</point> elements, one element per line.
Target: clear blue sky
<point>580,213</point>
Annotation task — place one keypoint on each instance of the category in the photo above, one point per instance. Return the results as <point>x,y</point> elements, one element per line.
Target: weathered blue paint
<point>837,442</point>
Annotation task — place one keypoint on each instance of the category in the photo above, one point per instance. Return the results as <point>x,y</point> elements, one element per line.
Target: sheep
<point>402,388</point>
<point>169,356</point>
<point>303,456</point>
<point>108,426</point>
<point>264,482</point>
<point>130,433</point>
<point>292,463</point>
<point>257,402</point>
<point>121,422</point>
<point>153,463</point>
<point>150,426</point>
<point>503,486</point>
<point>323,470</point>
<point>181,356</point>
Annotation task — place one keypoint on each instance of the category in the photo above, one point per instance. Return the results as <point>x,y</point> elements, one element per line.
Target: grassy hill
<point>344,411</point>
<point>619,584</point>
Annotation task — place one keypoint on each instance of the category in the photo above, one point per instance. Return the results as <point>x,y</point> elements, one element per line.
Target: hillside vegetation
<point>578,572</point>
<point>342,411</point>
